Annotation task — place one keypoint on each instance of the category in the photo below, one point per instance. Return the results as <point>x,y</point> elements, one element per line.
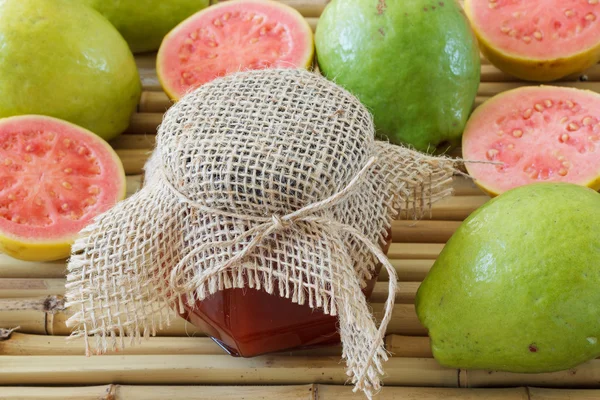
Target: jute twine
<point>270,180</point>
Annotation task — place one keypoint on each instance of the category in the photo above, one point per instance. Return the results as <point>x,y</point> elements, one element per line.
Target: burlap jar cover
<point>269,179</point>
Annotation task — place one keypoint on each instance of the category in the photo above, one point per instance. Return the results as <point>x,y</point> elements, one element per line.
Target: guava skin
<point>414,63</point>
<point>66,61</point>
<point>144,23</point>
<point>516,287</point>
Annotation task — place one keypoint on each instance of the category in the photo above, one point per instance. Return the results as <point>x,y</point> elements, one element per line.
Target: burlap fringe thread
<point>264,179</point>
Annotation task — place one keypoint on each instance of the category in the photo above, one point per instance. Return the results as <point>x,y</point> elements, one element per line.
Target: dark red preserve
<point>249,322</point>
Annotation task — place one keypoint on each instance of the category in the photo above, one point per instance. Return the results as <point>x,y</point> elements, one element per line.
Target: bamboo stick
<point>479,100</point>
<point>423,231</point>
<point>149,79</point>
<point>27,321</point>
<point>408,270</point>
<point>288,392</point>
<point>13,268</point>
<point>295,392</point>
<point>404,320</point>
<point>57,325</point>
<point>405,346</point>
<point>454,208</point>
<point>133,160</point>
<point>26,288</point>
<point>145,60</point>
<point>308,8</point>
<point>16,288</point>
<point>105,392</point>
<point>154,102</point>
<point>209,369</point>
<point>562,394</point>
<point>49,304</point>
<point>33,320</point>
<point>331,392</point>
<point>414,251</point>
<point>490,73</point>
<point>46,316</point>
<point>133,141</point>
<point>586,375</point>
<point>123,392</point>
<point>493,88</point>
<point>144,123</point>
<point>404,295</point>
<point>464,186</point>
<point>21,344</point>
<point>29,314</point>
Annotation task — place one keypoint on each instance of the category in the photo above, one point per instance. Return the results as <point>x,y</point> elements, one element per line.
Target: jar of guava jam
<point>249,322</point>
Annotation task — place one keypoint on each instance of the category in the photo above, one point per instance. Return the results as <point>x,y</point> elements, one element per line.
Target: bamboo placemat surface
<point>36,361</point>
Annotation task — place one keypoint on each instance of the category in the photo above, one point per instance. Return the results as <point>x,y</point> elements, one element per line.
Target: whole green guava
<point>66,61</point>
<point>517,287</point>
<point>144,23</point>
<point>414,63</point>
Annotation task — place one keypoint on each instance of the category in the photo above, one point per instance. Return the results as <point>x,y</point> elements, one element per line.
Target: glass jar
<point>248,322</point>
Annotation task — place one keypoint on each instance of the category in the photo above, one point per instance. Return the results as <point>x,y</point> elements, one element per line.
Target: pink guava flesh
<point>534,134</point>
<point>54,178</point>
<point>538,29</point>
<point>231,37</point>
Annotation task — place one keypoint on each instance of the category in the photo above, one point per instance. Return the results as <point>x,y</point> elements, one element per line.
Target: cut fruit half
<point>535,134</point>
<point>229,37</point>
<point>541,40</point>
<point>55,177</point>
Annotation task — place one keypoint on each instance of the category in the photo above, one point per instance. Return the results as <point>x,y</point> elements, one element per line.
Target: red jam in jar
<point>248,322</point>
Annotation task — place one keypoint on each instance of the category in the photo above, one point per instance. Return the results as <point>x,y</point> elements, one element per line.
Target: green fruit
<point>144,23</point>
<point>516,288</point>
<point>413,63</point>
<point>66,61</point>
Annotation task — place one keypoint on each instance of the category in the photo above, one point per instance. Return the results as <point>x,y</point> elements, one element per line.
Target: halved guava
<point>534,134</point>
<point>55,177</point>
<point>537,40</point>
<point>229,37</point>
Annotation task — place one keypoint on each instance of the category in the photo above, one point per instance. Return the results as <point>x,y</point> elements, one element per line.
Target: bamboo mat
<point>36,362</point>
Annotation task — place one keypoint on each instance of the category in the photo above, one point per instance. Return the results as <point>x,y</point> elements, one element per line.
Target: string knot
<point>280,224</point>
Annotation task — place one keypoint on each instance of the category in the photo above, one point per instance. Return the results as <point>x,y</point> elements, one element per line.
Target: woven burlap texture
<point>264,179</point>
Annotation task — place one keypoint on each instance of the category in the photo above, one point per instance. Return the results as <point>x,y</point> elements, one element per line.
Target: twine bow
<point>270,225</point>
